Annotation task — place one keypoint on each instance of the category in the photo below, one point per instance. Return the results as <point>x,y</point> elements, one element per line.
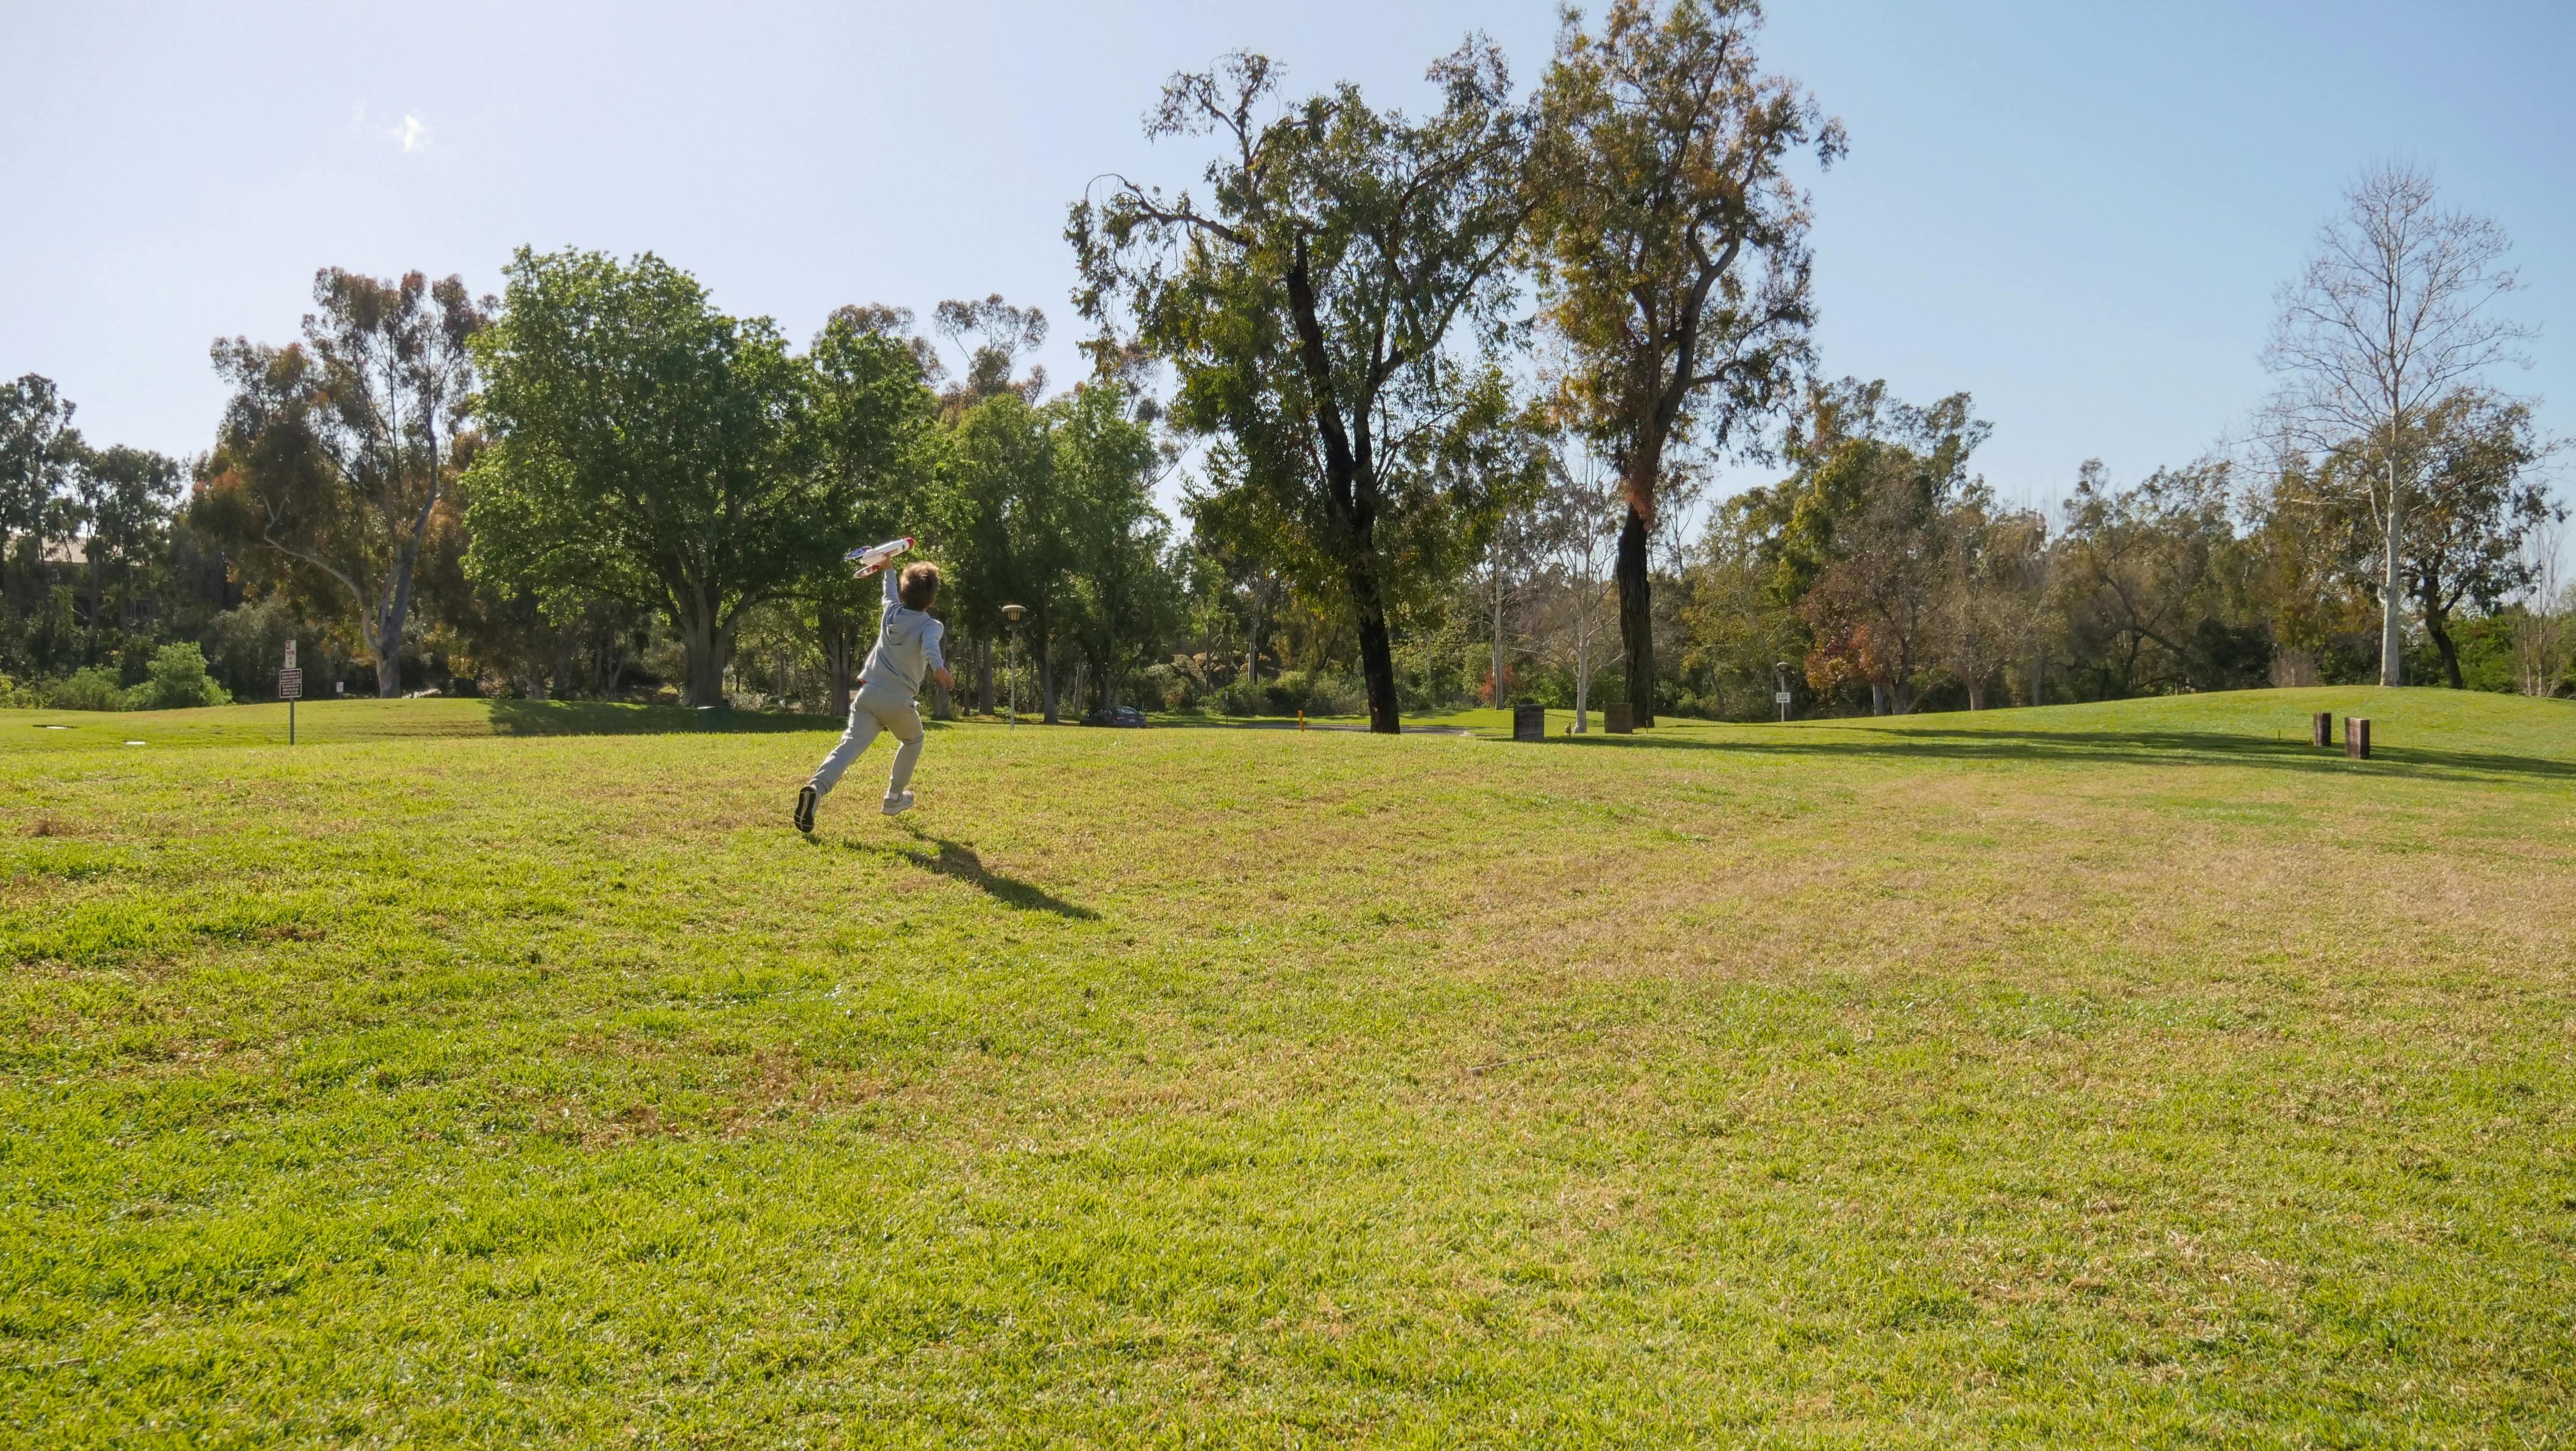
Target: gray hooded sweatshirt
<point>907,647</point>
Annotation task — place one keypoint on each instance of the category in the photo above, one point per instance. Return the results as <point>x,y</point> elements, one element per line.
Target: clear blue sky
<point>2076,212</point>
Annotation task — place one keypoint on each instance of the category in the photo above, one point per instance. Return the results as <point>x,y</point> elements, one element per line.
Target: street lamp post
<point>1013,614</point>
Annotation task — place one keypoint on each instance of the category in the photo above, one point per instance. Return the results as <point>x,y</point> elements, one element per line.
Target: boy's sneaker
<point>898,805</point>
<point>805,800</point>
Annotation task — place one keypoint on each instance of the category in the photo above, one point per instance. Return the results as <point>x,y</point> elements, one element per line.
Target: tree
<point>1001,333</point>
<point>1314,312</point>
<point>2477,510</point>
<point>1120,591</point>
<point>1579,526</point>
<point>1513,555</point>
<point>1673,259</point>
<point>334,452</point>
<point>1737,627</point>
<point>873,435</point>
<point>39,450</point>
<point>1992,606</point>
<point>2388,319</point>
<point>2311,565</point>
<point>2545,627</point>
<point>1875,609</point>
<point>125,498</point>
<point>2142,566</point>
<point>650,450</point>
<point>998,522</point>
<point>1859,531</point>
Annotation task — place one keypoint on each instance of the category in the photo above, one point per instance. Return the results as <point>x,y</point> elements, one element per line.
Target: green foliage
<point>648,449</point>
<point>96,688</point>
<point>1315,310</point>
<point>178,681</point>
<point>335,451</point>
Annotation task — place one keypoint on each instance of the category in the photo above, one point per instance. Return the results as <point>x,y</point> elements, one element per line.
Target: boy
<point>907,645</point>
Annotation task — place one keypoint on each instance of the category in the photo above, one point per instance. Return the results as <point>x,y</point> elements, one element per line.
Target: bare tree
<point>2542,632</point>
<point>2390,316</point>
<point>1992,613</point>
<point>1580,521</point>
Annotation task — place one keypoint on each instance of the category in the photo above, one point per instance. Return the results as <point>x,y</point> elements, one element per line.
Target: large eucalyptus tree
<point>1672,251</point>
<point>1329,307</point>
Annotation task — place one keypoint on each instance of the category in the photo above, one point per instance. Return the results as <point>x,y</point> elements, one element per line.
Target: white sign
<point>290,654</point>
<point>1780,698</point>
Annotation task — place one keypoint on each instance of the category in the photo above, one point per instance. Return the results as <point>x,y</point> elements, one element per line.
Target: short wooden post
<point>1618,719</point>
<point>1529,722</point>
<point>2322,733</point>
<point>2356,737</point>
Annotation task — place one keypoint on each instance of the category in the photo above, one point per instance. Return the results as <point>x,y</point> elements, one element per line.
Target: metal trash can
<point>715,717</point>
<point>1529,722</point>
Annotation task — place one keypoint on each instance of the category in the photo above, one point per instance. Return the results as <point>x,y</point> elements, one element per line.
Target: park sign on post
<point>290,686</point>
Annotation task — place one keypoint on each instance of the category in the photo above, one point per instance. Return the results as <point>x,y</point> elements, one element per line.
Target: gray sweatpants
<point>874,709</point>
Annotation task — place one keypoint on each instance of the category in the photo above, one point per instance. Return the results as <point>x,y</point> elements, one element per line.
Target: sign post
<point>290,685</point>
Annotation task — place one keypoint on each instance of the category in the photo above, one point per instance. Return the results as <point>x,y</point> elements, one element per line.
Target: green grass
<point>479,1075</point>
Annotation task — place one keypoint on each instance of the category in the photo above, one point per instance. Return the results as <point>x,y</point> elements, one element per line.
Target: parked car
<point>1117,715</point>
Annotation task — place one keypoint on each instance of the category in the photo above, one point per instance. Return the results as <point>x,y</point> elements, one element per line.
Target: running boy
<point>907,647</point>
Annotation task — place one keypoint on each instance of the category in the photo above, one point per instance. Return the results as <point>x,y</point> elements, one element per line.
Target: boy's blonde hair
<point>919,586</point>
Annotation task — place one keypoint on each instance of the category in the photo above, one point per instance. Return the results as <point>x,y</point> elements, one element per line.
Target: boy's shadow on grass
<point>958,862</point>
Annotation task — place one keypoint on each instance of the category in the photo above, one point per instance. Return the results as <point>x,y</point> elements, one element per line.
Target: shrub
<point>179,680</point>
<point>93,689</point>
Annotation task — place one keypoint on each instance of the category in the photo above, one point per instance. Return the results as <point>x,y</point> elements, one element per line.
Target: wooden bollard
<point>2356,737</point>
<point>2321,733</point>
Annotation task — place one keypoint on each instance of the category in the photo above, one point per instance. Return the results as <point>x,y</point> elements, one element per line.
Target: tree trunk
<point>705,646</point>
<point>983,676</point>
<point>2392,636</point>
<point>2437,625</point>
<point>1582,682</point>
<point>839,634</point>
<point>1637,618</point>
<point>1499,702</point>
<point>1976,695</point>
<point>1377,651</point>
<point>1046,680</point>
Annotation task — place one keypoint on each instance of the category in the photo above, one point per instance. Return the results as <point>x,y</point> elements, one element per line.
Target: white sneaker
<point>898,805</point>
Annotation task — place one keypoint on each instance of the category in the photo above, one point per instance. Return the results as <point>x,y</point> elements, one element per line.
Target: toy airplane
<point>874,557</point>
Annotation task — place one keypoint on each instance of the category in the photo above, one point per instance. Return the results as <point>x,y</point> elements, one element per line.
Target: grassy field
<point>481,1075</point>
